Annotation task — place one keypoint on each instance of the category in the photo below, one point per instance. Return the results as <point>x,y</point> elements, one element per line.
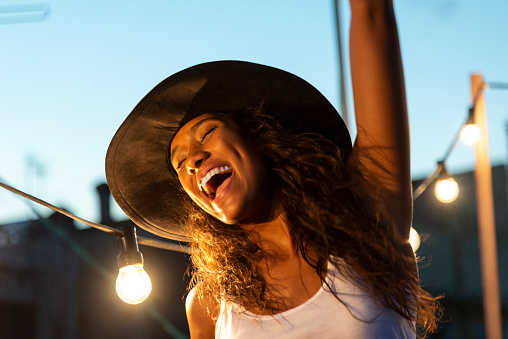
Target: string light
<point>414,239</point>
<point>446,188</point>
<point>133,285</point>
<point>470,133</point>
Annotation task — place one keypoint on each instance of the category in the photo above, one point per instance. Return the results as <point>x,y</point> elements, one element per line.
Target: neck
<point>273,236</point>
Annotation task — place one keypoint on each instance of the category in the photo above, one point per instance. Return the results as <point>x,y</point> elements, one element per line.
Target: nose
<point>194,161</point>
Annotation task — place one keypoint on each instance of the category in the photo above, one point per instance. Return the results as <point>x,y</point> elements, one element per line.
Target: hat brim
<point>137,168</point>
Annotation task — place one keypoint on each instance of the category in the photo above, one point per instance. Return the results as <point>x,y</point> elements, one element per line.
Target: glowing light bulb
<point>470,134</point>
<point>414,239</point>
<point>133,285</point>
<point>446,190</point>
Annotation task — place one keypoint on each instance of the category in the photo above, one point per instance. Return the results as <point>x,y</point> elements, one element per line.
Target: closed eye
<point>208,133</point>
<point>179,164</point>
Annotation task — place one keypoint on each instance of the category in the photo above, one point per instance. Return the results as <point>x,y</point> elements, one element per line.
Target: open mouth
<point>214,178</point>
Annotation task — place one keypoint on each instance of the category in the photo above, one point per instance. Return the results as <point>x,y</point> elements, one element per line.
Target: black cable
<point>108,229</point>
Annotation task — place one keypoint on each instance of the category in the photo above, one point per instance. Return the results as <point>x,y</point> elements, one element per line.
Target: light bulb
<point>446,190</point>
<point>414,239</point>
<point>470,134</point>
<point>133,285</point>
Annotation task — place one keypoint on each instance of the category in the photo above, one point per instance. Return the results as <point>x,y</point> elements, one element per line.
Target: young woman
<point>295,233</point>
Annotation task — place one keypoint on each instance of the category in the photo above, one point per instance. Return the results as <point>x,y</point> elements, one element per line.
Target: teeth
<point>211,173</point>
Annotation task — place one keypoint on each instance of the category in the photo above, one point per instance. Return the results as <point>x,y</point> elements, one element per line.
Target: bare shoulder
<point>201,313</point>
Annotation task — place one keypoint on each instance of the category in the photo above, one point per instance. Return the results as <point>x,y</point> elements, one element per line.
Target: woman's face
<point>220,170</point>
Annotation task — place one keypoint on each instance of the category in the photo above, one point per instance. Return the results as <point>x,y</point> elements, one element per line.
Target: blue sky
<point>68,82</point>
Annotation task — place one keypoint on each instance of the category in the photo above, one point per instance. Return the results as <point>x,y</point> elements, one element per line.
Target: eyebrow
<point>192,131</point>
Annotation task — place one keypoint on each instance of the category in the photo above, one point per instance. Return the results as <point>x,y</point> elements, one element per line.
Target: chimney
<point>104,196</point>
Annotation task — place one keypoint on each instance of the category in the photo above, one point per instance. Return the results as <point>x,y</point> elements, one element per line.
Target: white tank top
<point>322,316</point>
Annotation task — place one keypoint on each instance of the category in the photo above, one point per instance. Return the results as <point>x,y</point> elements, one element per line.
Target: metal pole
<point>343,94</point>
<point>485,215</point>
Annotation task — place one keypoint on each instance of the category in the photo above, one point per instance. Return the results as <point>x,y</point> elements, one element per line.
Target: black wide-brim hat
<point>137,167</point>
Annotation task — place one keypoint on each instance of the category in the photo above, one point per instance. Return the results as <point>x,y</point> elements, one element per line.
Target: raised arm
<point>382,142</point>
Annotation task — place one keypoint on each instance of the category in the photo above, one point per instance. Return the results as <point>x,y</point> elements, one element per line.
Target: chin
<point>229,221</point>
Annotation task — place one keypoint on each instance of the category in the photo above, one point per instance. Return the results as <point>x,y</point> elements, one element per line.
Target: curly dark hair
<point>333,214</point>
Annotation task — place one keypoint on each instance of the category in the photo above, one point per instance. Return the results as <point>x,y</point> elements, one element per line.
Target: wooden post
<point>485,215</point>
